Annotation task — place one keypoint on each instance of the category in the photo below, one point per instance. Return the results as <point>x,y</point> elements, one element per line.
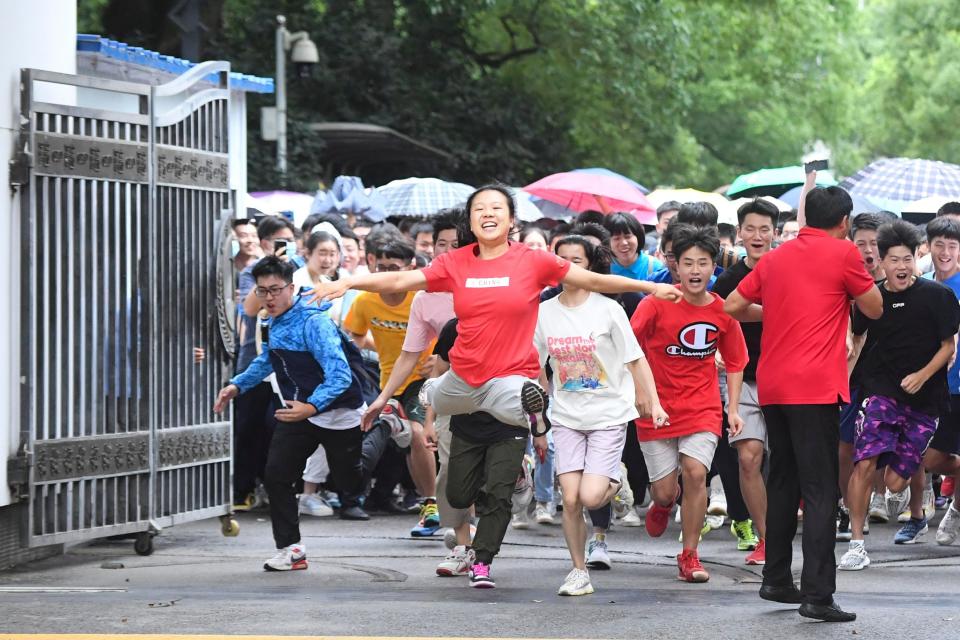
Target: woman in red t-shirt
<point>496,286</point>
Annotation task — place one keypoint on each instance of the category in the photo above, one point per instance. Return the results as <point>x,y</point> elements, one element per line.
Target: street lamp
<point>304,56</point>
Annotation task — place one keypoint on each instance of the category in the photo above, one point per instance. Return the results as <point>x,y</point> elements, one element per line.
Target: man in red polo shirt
<point>801,379</point>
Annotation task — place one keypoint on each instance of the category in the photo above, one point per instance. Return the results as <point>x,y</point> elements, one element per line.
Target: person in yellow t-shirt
<point>385,316</point>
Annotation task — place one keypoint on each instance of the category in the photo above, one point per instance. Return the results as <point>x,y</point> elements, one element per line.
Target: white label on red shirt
<point>487,283</point>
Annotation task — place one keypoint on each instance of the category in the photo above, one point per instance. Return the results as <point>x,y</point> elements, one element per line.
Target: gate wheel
<point>143,545</point>
<point>229,527</point>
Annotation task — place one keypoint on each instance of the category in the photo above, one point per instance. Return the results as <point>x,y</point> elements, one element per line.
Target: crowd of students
<point>463,367</point>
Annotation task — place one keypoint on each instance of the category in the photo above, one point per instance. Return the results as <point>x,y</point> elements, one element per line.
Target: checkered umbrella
<point>891,181</point>
<point>422,196</point>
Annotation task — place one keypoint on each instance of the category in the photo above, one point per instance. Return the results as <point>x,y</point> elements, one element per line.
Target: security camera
<point>304,55</point>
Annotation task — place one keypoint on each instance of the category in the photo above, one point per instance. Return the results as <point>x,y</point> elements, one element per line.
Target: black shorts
<point>947,437</point>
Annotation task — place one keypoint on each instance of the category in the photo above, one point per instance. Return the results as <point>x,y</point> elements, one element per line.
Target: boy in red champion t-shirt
<point>681,340</point>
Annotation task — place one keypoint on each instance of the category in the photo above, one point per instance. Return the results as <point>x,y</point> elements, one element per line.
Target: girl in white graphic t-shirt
<point>600,379</point>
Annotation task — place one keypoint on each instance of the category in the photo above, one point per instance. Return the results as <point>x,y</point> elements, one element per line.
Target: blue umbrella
<point>860,204</point>
<point>893,183</point>
<point>347,195</point>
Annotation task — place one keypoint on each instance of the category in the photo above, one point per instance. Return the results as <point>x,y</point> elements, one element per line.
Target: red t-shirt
<point>496,302</point>
<point>680,340</point>
<point>805,287</point>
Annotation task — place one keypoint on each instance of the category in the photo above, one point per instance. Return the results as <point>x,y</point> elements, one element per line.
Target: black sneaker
<point>353,513</point>
<point>843,526</point>
<point>534,402</point>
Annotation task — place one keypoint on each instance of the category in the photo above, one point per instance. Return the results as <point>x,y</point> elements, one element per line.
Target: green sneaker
<point>746,537</point>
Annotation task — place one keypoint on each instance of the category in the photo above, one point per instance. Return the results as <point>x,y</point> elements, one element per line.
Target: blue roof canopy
<point>143,57</point>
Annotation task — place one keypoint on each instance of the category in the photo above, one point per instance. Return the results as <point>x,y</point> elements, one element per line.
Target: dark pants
<point>632,457</point>
<point>292,444</point>
<point>485,475</point>
<point>803,463</point>
<point>253,425</point>
<point>726,464</point>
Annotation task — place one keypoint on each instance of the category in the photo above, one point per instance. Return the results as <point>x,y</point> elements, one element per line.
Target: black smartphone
<point>279,246</point>
<point>816,165</point>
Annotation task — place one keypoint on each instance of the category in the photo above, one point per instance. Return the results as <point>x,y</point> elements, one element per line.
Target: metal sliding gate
<point>120,230</point>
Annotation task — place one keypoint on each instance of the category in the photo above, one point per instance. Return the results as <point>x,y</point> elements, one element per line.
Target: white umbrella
<point>422,196</point>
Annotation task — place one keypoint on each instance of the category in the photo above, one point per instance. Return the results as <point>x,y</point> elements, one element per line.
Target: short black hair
<point>593,230</point>
<point>445,220</point>
<point>864,222</point>
<point>381,234</point>
<point>599,257</point>
<point>785,217</point>
<point>896,234</point>
<point>666,207</point>
<point>560,230</point>
<point>827,207</point>
<point>335,220</point>
<point>700,214</point>
<point>397,249</point>
<point>274,266</point>
<point>669,232</point>
<point>535,228</point>
<point>318,237</point>
<point>758,206</point>
<point>499,188</point>
<point>949,209</point>
<point>270,225</point>
<point>589,216</point>
<point>728,231</point>
<point>943,228</point>
<point>239,222</point>
<point>420,227</point>
<point>625,223</point>
<point>687,236</point>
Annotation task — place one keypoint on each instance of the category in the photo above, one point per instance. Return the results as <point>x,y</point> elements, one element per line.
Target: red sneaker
<point>690,568</point>
<point>759,555</point>
<point>659,517</point>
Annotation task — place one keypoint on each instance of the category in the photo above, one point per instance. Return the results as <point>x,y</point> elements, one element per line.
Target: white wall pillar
<point>40,34</point>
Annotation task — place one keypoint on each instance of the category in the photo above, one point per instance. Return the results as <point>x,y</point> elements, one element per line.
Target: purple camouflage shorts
<point>893,433</point>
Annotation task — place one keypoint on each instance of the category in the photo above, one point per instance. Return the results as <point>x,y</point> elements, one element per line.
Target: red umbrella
<point>581,191</point>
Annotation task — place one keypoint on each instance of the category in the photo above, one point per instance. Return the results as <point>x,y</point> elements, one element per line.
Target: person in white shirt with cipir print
<point>600,380</point>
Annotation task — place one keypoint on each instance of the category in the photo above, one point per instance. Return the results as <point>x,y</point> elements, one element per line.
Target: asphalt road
<point>370,579</point>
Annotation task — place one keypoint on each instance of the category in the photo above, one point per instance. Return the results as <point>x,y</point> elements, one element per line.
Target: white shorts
<point>597,451</point>
<point>663,456</point>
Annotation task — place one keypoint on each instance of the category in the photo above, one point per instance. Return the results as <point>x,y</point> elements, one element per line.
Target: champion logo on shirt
<point>697,340</point>
<point>487,283</point>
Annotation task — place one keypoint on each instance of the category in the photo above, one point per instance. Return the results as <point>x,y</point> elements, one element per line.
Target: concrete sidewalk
<point>371,579</point>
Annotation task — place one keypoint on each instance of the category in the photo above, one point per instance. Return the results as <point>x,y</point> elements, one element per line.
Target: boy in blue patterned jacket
<point>323,406</point>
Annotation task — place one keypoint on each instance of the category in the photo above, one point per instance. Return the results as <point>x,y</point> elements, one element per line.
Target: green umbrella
<point>774,182</point>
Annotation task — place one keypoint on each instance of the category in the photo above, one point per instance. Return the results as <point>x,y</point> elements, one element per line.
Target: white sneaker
<point>856,558</point>
<point>543,513</point>
<point>400,429</point>
<point>597,556</point>
<point>577,583</point>
<point>520,520</point>
<point>632,519</point>
<point>313,505</point>
<point>878,509</point>
<point>450,537</point>
<point>718,503</point>
<point>424,394</point>
<point>623,501</point>
<point>949,526</point>
<point>714,522</point>
<point>897,502</point>
<point>929,503</point>
<point>523,490</point>
<point>290,558</point>
<point>457,562</point>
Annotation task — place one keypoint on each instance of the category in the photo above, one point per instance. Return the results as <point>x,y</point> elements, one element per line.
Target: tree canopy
<point>688,93</point>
